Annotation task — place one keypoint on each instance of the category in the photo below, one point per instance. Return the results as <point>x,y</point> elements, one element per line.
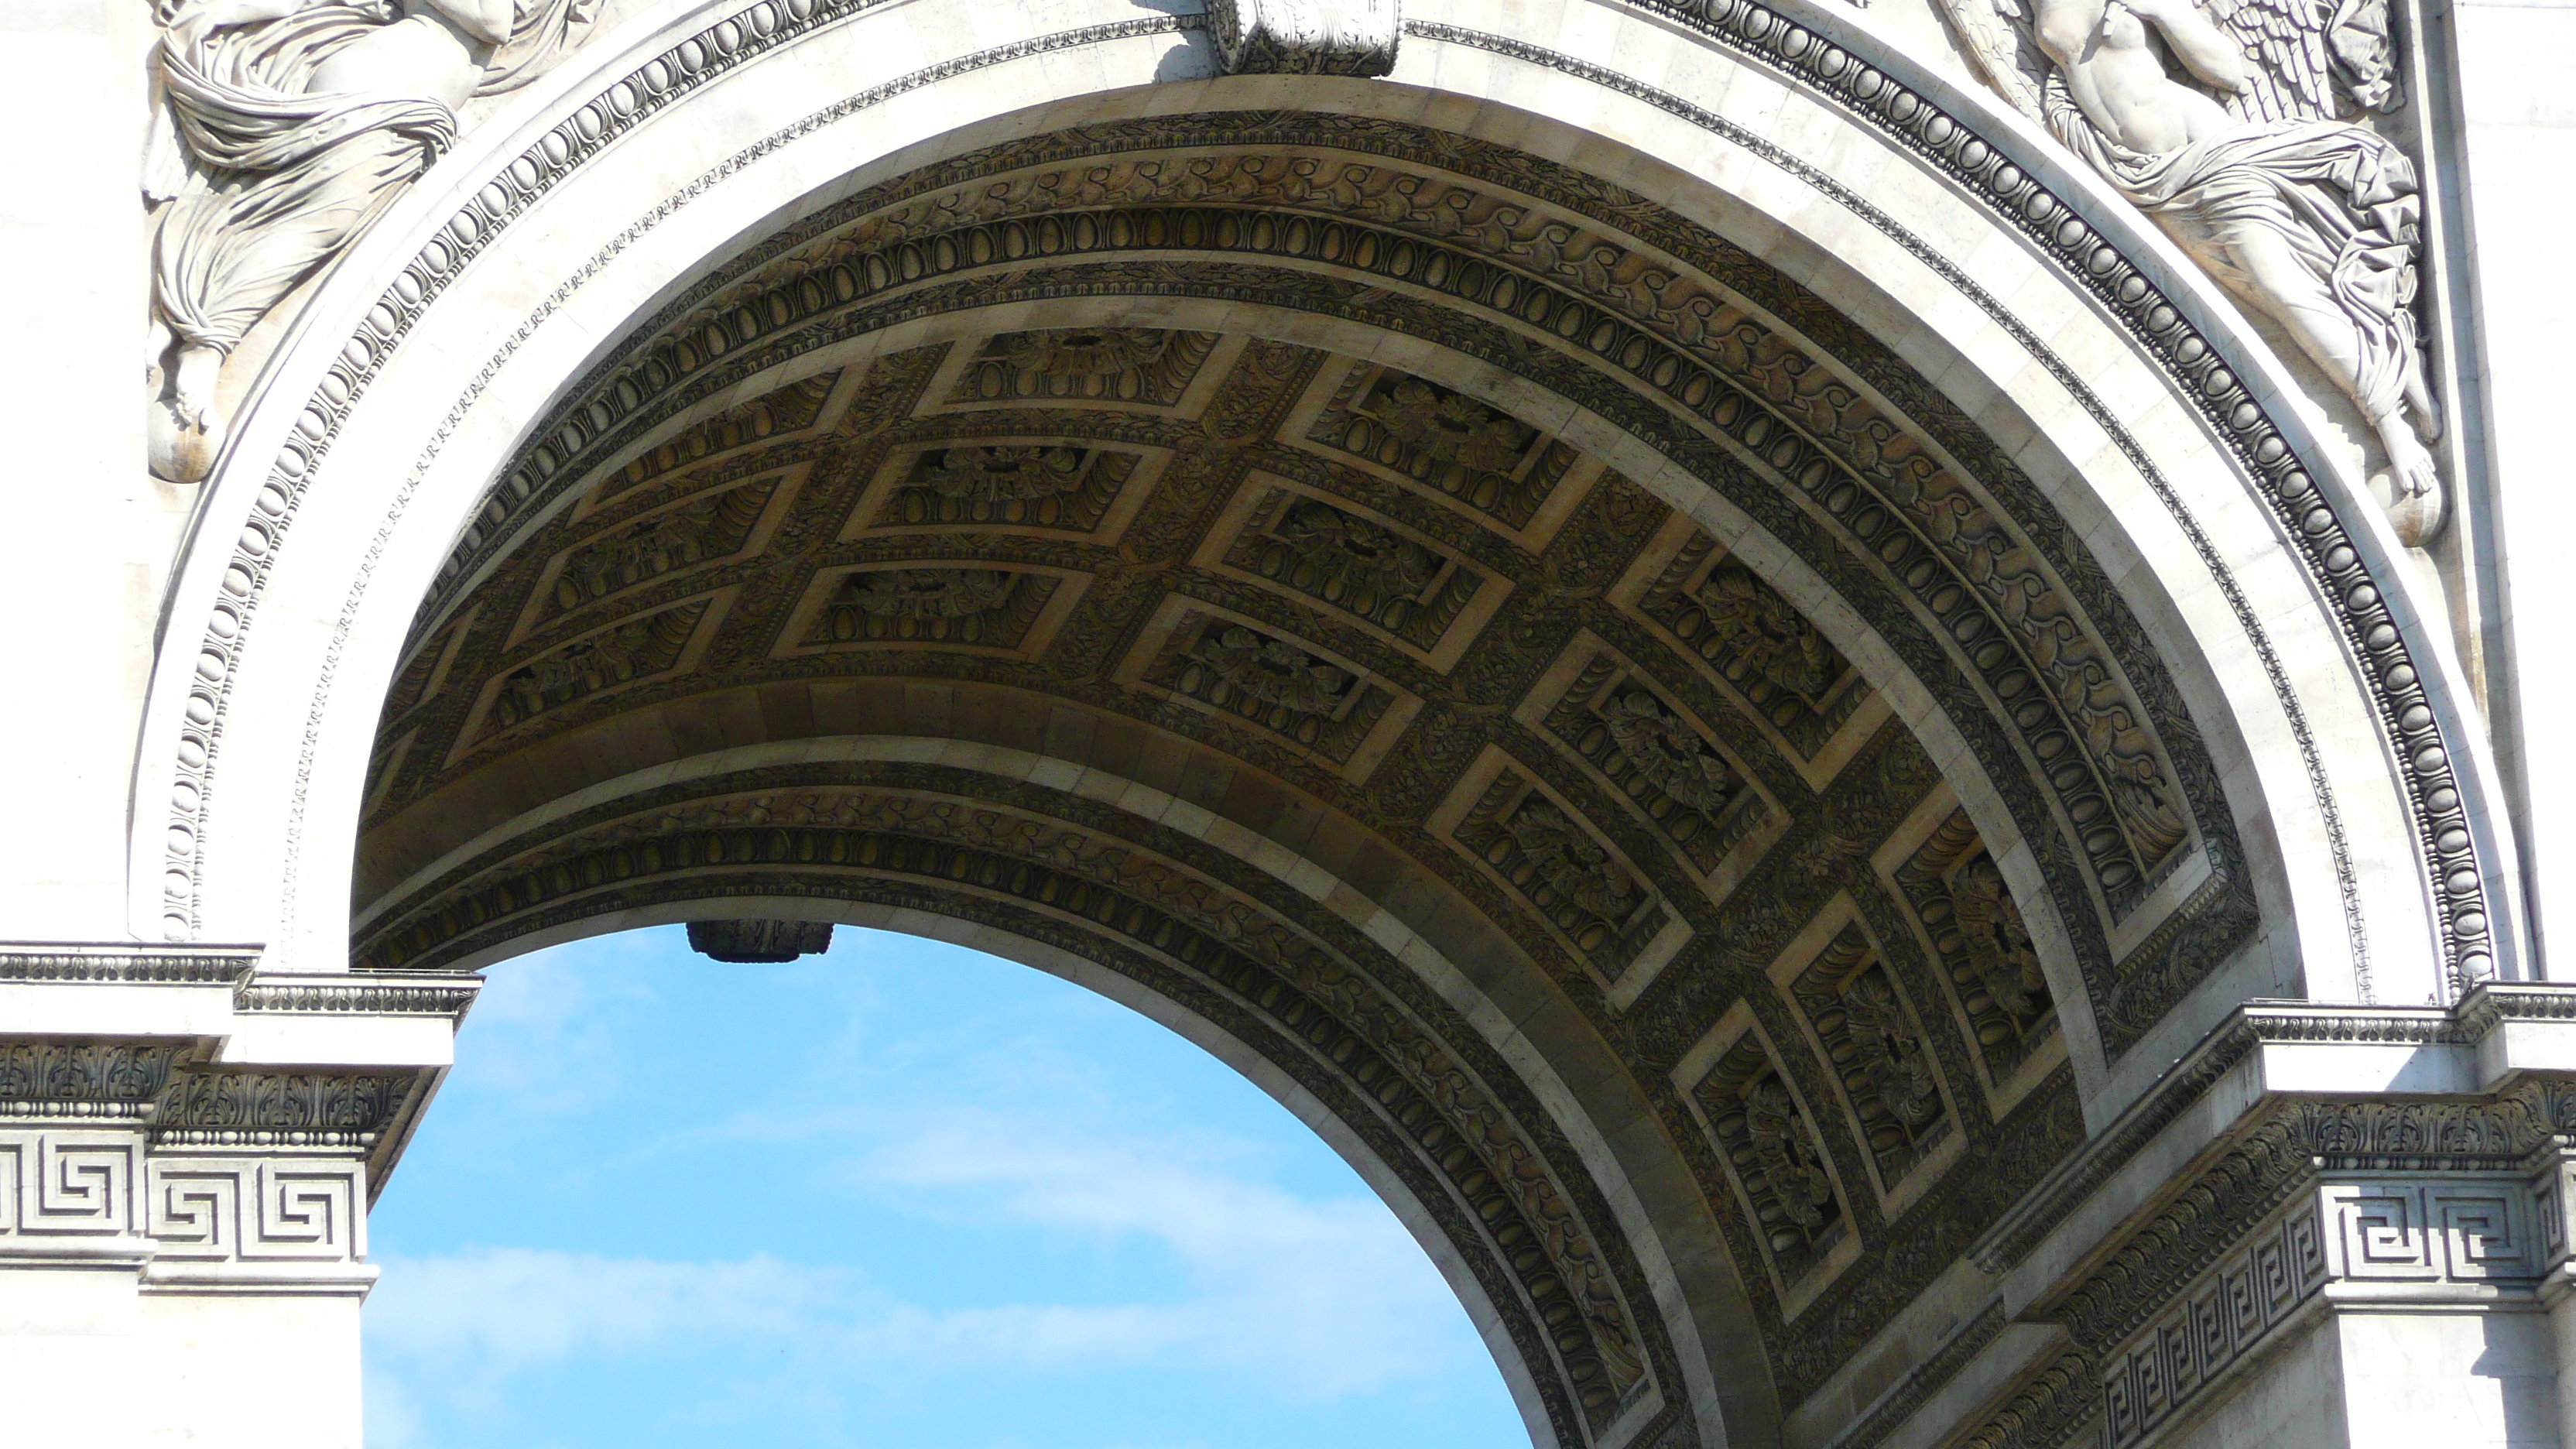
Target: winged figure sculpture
<point>281,128</point>
<point>2241,128</point>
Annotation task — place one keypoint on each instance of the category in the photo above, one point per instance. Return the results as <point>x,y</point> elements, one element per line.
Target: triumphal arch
<point>1840,688</point>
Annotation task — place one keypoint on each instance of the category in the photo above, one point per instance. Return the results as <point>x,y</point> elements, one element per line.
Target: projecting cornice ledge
<point>2302,1160</point>
<point>219,1130</point>
<point>2496,1035</point>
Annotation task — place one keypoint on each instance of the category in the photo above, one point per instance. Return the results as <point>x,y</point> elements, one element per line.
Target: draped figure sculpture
<point>2254,161</point>
<point>283,128</point>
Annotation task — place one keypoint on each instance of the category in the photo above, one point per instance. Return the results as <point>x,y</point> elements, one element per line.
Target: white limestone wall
<point>2519,144</point>
<point>93,533</point>
<point>249,1372</point>
<point>2402,1377</point>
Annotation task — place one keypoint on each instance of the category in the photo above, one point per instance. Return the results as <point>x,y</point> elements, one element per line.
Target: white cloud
<point>529,1306</point>
<point>1316,1298</point>
<point>549,1029</point>
<point>1332,1294</point>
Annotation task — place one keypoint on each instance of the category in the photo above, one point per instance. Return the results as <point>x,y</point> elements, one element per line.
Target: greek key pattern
<point>250,1209</point>
<point>57,1187</point>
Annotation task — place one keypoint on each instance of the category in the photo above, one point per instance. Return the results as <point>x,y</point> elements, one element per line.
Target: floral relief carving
<point>1776,1157</point>
<point>1101,364</point>
<point>1986,952</point>
<point>1006,474</point>
<point>937,605</point>
<point>1356,565</point>
<point>1560,869</point>
<point>1669,754</point>
<point>1084,352</point>
<point>1874,1046</point>
<point>1351,561</point>
<point>1445,440</point>
<point>1895,1064</point>
<point>1786,1160</point>
<point>1269,672</point>
<point>617,655</point>
<point>2000,949</point>
<point>660,543</point>
<point>1761,636</point>
<point>1611,718</point>
<point>789,409</point>
<point>1277,684</point>
<point>1777,661</point>
<point>1558,862</point>
<point>1451,426</point>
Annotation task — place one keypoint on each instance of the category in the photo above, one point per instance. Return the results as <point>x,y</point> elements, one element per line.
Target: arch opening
<point>1258,602</point>
<point>1579,664</point>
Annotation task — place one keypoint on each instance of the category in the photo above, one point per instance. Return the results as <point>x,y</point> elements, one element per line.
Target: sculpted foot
<point>2415,490</point>
<point>186,429</point>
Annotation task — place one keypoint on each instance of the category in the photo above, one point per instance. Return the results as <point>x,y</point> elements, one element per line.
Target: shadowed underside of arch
<point>1387,595</point>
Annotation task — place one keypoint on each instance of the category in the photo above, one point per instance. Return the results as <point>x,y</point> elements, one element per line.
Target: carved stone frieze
<point>142,1153</point>
<point>42,1077</point>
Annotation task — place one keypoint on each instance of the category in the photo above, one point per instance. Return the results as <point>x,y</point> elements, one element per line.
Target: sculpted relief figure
<point>282,127</point>
<point>2238,130</point>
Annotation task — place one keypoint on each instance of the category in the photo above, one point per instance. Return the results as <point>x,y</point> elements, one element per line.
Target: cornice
<point>2495,1003</point>
<point>448,996</point>
<point>2254,1025</point>
<point>118,964</point>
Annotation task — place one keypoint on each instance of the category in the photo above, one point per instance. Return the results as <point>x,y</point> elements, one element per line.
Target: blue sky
<point>903,1194</point>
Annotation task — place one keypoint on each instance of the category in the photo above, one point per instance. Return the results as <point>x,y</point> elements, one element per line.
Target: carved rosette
<point>1306,37</point>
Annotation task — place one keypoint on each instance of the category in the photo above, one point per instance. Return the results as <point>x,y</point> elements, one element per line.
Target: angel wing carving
<point>2256,160</point>
<point>1996,34</point>
<point>2313,60</point>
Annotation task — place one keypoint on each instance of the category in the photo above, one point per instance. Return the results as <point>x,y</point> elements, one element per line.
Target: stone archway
<point>1725,718</point>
